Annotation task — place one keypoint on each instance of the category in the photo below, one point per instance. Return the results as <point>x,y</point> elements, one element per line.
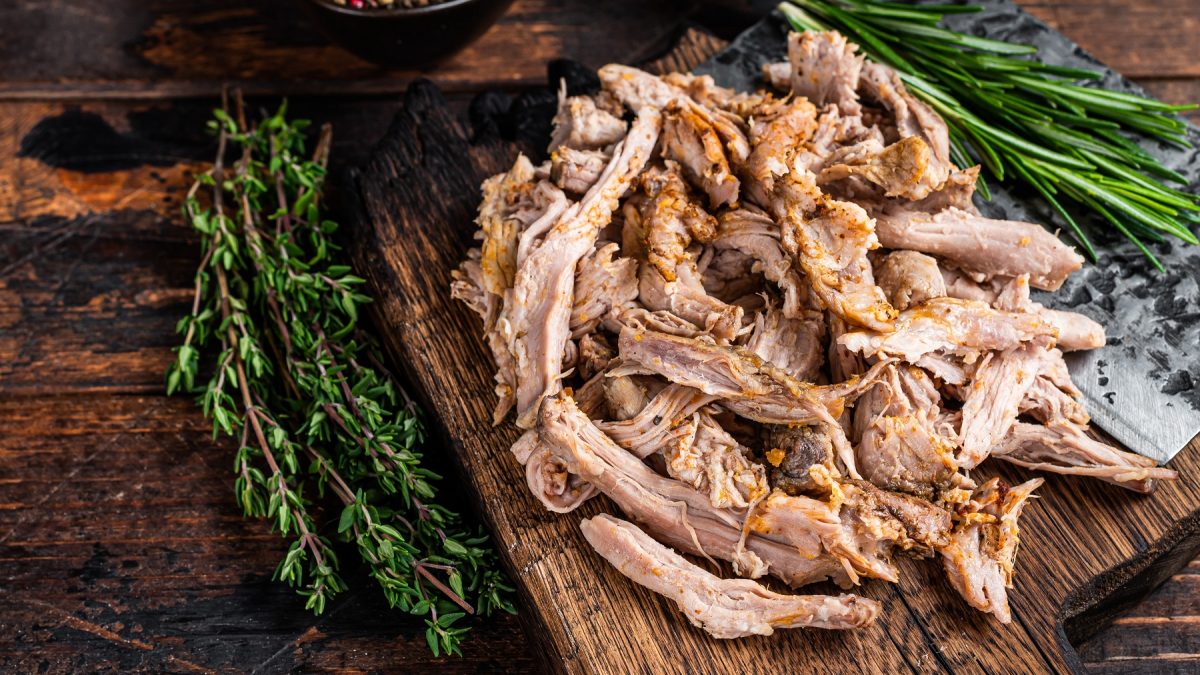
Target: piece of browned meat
<point>829,239</point>
<point>576,171</point>
<point>825,69</point>
<point>751,231</point>
<point>725,608</point>
<point>708,143</point>
<point>972,242</point>
<point>956,192</point>
<point>913,525</point>
<point>950,326</point>
<point>777,134</point>
<point>579,124</point>
<point>537,318</point>
<point>670,220</point>
<point>674,513</point>
<point>998,386</point>
<point>795,346</point>
<point>909,278</point>
<point>690,139</point>
<point>1063,447</point>
<point>745,384</point>
<point>905,169</point>
<point>979,561</point>
<point>901,444</point>
<point>792,452</point>
<point>860,525</point>
<point>913,119</point>
<point>605,286</point>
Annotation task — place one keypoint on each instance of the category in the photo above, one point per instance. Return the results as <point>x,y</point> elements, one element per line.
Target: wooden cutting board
<point>1088,549</point>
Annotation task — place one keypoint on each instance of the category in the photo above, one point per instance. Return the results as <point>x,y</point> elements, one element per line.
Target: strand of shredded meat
<point>725,608</point>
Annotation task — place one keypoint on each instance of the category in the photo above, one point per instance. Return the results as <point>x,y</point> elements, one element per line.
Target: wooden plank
<point>1138,39</point>
<point>179,48</point>
<point>121,549</point>
<point>95,263</point>
<point>412,207</point>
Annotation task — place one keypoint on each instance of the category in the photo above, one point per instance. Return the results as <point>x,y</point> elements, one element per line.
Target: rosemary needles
<point>1026,120</point>
<point>328,443</point>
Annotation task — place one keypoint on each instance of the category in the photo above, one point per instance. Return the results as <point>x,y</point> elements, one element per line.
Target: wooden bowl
<point>406,38</point>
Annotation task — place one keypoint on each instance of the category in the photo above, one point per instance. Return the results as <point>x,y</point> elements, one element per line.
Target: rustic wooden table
<point>120,545</point>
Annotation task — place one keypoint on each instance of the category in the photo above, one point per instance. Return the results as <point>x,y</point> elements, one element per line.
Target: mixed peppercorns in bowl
<point>405,33</point>
<point>386,4</point>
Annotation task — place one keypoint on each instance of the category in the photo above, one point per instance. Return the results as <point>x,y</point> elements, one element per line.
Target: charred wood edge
<point>1092,607</point>
<point>423,106</point>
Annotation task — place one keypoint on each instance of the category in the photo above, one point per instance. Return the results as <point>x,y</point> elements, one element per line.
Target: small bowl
<point>407,38</point>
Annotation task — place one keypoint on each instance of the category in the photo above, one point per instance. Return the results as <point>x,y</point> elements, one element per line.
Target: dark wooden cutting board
<point>1088,548</point>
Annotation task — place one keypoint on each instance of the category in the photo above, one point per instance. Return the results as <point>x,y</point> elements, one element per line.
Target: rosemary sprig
<point>1027,120</point>
<point>301,386</point>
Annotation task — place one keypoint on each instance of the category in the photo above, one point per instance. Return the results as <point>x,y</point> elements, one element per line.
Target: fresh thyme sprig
<point>1025,119</point>
<point>301,386</point>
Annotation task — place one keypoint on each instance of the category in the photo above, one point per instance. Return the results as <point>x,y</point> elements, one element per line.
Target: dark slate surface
<point>1144,387</point>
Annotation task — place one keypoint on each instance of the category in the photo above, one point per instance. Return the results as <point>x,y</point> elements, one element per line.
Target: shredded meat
<point>992,247</point>
<point>950,326</point>
<point>1063,447</point>
<point>824,69</point>
<point>725,608</point>
<point>774,329</point>
<point>901,445</point>
<point>1000,383</point>
<point>795,346</point>
<point>752,232</point>
<point>913,119</point>
<point>576,171</point>
<point>604,287</point>
<point>909,278</point>
<point>980,560</point>
<point>671,220</point>
<point>830,240</point>
<point>537,324</point>
<point>675,513</point>
<point>581,125</point>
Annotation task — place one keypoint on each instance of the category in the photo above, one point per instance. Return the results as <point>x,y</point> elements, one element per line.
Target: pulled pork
<point>775,331</point>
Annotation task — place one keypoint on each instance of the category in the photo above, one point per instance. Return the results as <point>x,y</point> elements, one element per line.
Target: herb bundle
<point>297,381</point>
<point>1025,119</point>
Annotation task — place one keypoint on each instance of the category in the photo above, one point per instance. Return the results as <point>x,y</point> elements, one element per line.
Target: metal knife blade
<point>1143,388</point>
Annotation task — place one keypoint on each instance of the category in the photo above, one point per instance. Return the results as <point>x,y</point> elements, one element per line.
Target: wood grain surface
<point>121,548</point>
